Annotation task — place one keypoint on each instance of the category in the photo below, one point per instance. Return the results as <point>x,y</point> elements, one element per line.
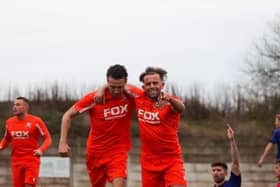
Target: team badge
<point>28,124</point>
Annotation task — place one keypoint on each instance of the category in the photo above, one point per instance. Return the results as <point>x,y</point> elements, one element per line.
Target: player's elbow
<point>66,118</point>
<point>69,114</point>
<point>50,141</point>
<point>180,108</point>
<point>183,108</point>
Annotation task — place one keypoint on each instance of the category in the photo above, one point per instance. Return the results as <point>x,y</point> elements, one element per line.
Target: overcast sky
<point>73,41</point>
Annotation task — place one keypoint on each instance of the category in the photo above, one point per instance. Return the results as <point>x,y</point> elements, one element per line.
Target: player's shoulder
<point>11,119</point>
<point>89,94</point>
<point>88,97</point>
<point>33,117</point>
<point>134,95</point>
<point>133,90</point>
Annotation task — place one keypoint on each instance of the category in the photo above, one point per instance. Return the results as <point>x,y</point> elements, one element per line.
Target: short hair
<point>221,164</point>
<point>277,116</point>
<point>24,99</point>
<point>277,162</point>
<point>154,70</point>
<point>117,71</point>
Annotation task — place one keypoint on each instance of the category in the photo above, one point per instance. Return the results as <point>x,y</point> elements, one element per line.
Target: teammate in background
<point>219,169</point>
<point>23,131</point>
<point>109,136</point>
<point>275,139</point>
<point>277,172</point>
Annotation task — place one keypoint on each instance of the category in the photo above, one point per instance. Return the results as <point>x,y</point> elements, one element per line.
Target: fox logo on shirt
<point>115,112</point>
<point>148,117</point>
<point>20,134</point>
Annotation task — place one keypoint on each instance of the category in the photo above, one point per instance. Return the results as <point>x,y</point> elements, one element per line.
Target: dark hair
<point>23,98</point>
<point>154,70</point>
<point>277,162</point>
<point>221,164</point>
<point>117,71</point>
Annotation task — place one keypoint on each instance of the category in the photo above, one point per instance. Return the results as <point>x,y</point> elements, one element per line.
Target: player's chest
<point>151,111</point>
<point>112,110</point>
<point>22,129</point>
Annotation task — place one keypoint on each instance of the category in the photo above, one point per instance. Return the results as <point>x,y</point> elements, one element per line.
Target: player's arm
<point>176,103</point>
<point>99,97</point>
<point>133,90</point>
<point>5,140</point>
<point>46,142</point>
<point>267,149</point>
<point>63,147</point>
<point>235,165</point>
<point>130,89</point>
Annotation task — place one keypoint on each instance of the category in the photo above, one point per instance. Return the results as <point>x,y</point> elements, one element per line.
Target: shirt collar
<point>220,185</point>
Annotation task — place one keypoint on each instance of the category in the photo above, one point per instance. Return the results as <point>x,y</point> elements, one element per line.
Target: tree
<point>264,61</point>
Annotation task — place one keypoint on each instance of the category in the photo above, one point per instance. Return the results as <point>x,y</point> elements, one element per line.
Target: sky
<point>74,41</point>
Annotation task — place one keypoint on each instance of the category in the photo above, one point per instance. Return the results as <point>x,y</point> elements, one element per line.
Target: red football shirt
<point>109,123</point>
<point>24,137</point>
<point>158,131</point>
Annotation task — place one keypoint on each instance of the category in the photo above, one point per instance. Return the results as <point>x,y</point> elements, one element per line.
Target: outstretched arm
<point>63,147</point>
<point>267,149</point>
<point>235,166</point>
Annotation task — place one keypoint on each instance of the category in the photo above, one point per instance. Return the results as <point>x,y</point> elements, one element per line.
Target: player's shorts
<point>25,173</point>
<point>106,168</point>
<point>172,174</point>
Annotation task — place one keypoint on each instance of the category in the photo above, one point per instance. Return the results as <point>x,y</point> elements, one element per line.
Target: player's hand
<point>37,152</point>
<point>64,150</point>
<point>230,132</point>
<point>165,97</point>
<point>1,147</point>
<point>99,99</point>
<point>260,162</point>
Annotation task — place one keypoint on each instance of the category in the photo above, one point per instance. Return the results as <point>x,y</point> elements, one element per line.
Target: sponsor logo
<point>148,117</point>
<point>115,112</point>
<point>20,134</point>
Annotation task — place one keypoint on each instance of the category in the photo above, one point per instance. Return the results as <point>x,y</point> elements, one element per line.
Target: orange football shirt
<point>24,137</point>
<point>109,123</point>
<point>158,132</point>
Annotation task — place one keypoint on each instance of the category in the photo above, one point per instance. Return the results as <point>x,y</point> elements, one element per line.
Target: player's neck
<point>153,99</point>
<point>21,116</point>
<point>220,184</point>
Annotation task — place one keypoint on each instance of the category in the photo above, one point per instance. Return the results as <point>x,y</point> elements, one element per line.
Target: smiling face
<point>152,85</point>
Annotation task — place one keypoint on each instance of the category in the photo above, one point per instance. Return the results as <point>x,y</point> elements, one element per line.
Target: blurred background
<point>222,58</point>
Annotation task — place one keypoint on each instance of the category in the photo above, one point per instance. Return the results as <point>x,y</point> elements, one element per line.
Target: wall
<point>197,158</point>
<point>198,175</point>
